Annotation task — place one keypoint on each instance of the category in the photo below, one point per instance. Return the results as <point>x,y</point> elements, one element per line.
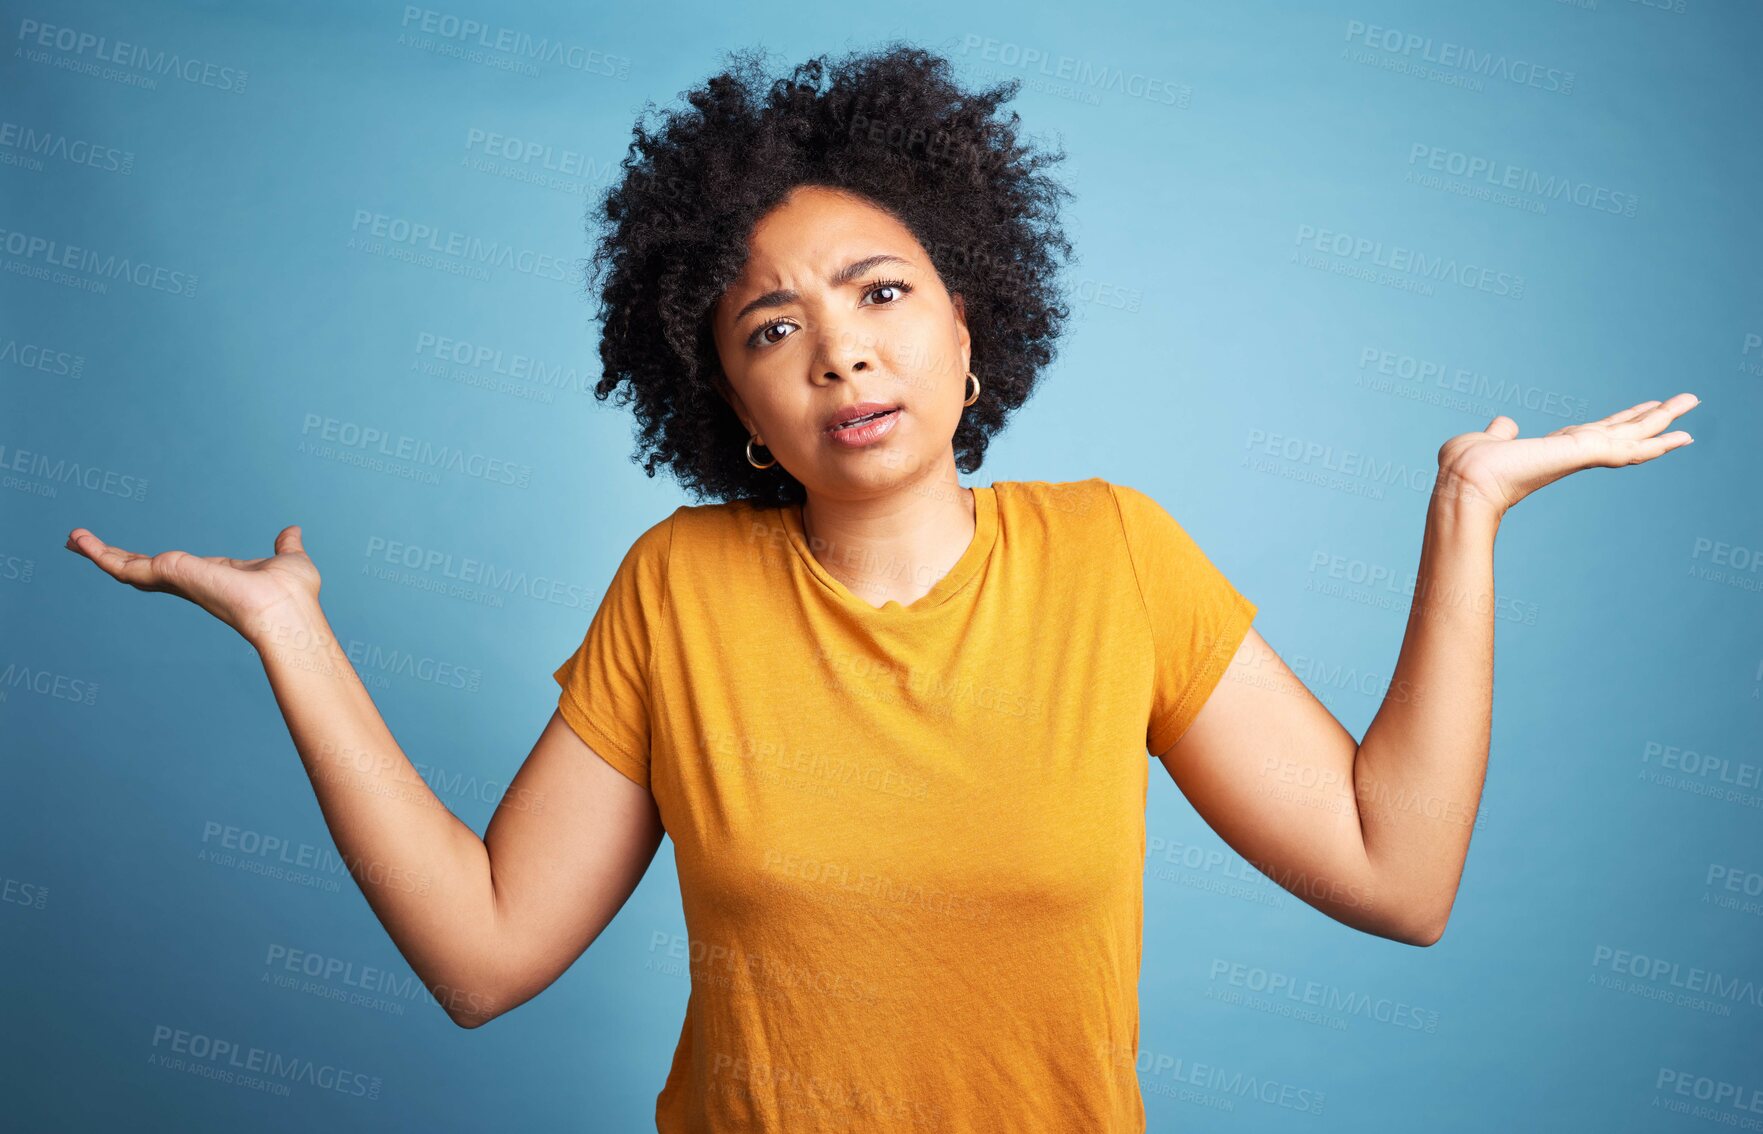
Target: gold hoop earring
<point>750,459</point>
<point>973,397</point>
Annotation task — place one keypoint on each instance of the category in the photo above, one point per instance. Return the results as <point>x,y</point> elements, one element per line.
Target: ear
<point>963,340</point>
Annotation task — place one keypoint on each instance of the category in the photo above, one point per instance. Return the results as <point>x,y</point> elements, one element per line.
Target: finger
<point>144,571</point>
<point>126,566</point>
<point>1648,448</point>
<point>1615,419</point>
<point>288,541</point>
<point>1651,421</point>
<point>1502,427</point>
<point>90,546</point>
<point>1625,415</point>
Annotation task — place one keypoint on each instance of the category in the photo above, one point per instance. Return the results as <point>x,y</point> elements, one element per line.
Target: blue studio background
<point>1253,345</point>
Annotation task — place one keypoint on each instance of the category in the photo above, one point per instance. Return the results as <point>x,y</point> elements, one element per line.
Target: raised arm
<point>1375,833</point>
<point>487,923</point>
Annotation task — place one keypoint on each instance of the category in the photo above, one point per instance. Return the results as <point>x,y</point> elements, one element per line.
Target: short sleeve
<point>605,693</point>
<point>1197,618</point>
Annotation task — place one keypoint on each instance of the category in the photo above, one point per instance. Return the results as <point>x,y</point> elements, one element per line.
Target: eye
<point>900,286</point>
<point>759,339</point>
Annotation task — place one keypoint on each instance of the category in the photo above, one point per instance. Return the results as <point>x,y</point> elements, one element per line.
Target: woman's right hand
<point>252,596</point>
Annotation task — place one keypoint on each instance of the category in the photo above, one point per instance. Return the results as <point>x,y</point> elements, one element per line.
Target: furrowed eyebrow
<point>839,278</point>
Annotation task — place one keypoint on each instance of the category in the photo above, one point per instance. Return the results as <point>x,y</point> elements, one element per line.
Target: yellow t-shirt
<point>910,839</point>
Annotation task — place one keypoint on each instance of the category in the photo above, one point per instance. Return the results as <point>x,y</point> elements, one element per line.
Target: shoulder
<point>1094,507</point>
<point>1061,503</point>
<point>1096,512</point>
<point>735,520</point>
<point>655,541</point>
<point>1137,507</point>
<point>718,538</point>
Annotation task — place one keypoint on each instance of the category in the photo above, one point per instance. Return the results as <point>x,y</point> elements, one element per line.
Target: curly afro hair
<point>890,125</point>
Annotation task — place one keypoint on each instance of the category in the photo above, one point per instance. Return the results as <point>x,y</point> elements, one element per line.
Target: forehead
<point>812,229</point>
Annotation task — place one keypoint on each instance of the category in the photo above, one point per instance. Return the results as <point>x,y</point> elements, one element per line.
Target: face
<point>837,305</point>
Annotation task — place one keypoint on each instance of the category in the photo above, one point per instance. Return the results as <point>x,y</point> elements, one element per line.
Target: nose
<point>843,353</point>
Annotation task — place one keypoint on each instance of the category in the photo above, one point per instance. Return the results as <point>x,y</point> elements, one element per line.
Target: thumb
<point>1502,427</point>
<point>288,541</point>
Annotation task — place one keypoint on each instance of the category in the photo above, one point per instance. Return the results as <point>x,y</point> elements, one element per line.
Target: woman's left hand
<point>1496,468</point>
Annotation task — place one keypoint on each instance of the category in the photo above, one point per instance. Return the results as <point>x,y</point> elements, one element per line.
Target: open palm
<point>243,593</point>
<point>1497,468</point>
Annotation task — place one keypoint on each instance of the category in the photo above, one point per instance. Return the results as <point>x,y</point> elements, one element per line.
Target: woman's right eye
<point>760,337</point>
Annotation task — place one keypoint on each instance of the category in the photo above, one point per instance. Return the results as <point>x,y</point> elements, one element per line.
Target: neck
<point>894,545</point>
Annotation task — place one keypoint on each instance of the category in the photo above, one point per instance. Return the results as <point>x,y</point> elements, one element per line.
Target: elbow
<point>1424,937</point>
<point>1420,935</point>
<point>1411,924</point>
<point>468,1008</point>
<point>1424,932</point>
<point>470,1014</point>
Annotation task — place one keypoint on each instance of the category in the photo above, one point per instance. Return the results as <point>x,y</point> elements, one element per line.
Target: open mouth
<point>865,419</point>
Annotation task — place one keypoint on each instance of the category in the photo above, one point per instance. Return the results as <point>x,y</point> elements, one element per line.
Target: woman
<point>895,726</point>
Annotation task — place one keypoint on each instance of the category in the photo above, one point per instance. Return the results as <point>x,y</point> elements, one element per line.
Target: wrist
<point>1459,498</point>
<point>296,622</point>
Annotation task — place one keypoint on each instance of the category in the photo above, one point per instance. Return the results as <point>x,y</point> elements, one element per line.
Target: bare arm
<point>485,923</point>
<point>488,923</point>
<point>1375,833</point>
<point>1372,833</point>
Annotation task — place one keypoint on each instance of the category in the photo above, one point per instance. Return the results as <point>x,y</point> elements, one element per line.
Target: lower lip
<point>866,434</point>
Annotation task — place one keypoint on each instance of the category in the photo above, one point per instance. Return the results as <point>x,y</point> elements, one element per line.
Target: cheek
<point>795,417</point>
<point>929,360</point>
